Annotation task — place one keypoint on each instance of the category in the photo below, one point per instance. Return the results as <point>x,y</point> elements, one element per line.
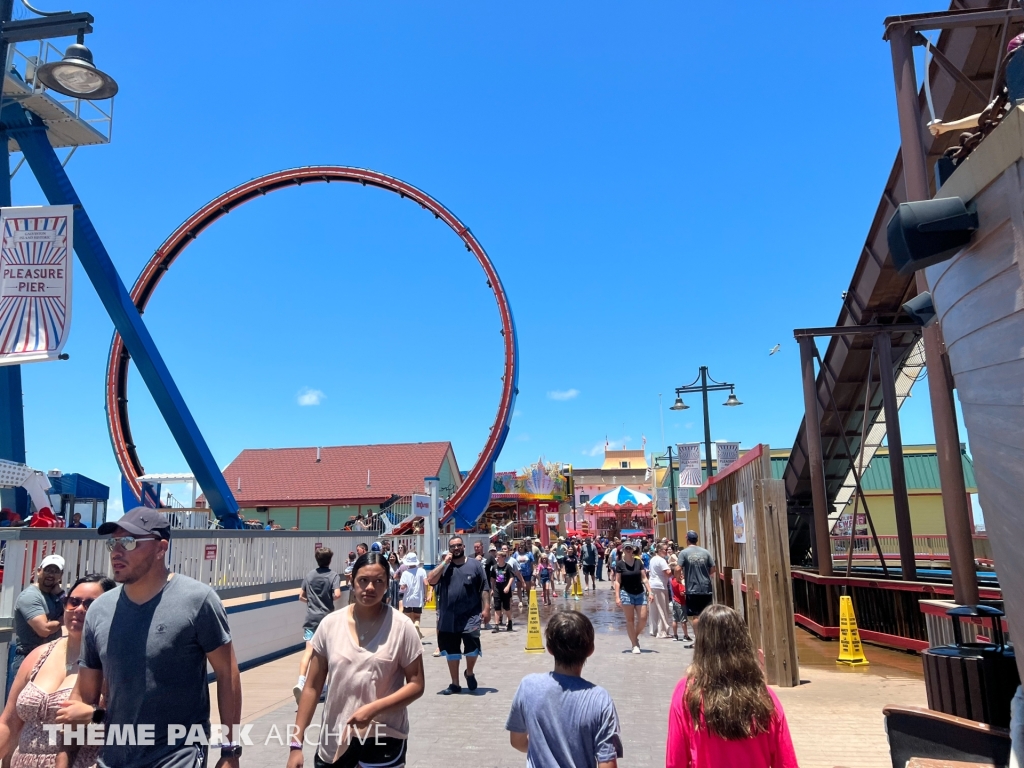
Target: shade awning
<point>618,497</point>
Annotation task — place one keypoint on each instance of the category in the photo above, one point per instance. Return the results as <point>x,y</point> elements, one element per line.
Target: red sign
<point>211,552</point>
<point>318,545</point>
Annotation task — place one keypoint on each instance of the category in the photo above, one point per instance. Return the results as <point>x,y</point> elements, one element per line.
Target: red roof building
<point>322,488</point>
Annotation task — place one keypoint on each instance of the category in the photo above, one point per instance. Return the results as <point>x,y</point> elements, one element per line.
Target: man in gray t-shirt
<point>149,642</point>
<point>698,565</point>
<point>320,589</point>
<point>38,612</point>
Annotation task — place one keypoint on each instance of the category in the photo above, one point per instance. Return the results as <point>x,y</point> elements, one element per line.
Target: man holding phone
<point>463,604</point>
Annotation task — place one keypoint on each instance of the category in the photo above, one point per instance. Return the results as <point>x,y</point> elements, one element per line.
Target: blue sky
<point>660,186</point>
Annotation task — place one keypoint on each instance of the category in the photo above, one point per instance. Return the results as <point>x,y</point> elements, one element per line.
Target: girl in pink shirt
<point>722,713</point>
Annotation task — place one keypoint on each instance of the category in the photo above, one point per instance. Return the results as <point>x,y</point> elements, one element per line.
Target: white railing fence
<point>237,561</point>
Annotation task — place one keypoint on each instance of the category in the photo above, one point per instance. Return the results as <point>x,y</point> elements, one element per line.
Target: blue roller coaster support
<point>30,133</point>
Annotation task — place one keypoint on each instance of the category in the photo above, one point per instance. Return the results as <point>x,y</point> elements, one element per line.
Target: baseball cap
<point>375,547</point>
<point>492,548</point>
<point>691,536</point>
<point>52,560</point>
<point>140,521</point>
<point>627,543</point>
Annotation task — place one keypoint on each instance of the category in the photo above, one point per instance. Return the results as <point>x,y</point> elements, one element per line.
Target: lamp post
<point>704,388</point>
<point>75,76</point>
<point>570,488</point>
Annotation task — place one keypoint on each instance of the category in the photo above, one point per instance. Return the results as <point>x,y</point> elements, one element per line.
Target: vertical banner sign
<point>421,505</point>
<point>664,500</point>
<point>739,524</point>
<point>35,282</point>
<point>689,465</point>
<point>728,454</point>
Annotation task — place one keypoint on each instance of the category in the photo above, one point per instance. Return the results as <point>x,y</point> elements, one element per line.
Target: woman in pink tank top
<point>44,682</point>
<point>723,715</point>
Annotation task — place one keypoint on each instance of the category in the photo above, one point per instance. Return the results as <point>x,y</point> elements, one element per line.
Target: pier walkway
<point>835,715</point>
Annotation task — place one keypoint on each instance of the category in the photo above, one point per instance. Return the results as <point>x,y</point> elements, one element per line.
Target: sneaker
<point>453,688</point>
<point>509,625</point>
<point>636,649</point>
<point>470,681</point>
<point>437,653</point>
<point>687,643</point>
<point>297,693</point>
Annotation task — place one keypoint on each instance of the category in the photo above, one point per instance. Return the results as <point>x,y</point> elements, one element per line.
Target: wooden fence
<point>743,518</point>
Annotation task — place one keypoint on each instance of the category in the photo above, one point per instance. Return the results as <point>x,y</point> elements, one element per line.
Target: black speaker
<point>920,308</point>
<point>929,231</point>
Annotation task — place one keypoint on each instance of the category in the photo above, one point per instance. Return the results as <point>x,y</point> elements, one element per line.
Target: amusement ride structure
<point>473,495</point>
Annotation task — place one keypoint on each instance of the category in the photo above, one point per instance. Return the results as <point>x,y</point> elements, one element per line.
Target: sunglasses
<point>128,543</point>
<point>456,546</point>
<point>75,602</point>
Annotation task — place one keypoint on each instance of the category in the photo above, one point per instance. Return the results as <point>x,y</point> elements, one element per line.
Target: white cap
<point>53,560</point>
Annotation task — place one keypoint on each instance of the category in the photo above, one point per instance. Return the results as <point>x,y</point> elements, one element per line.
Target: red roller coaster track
<point>117,364</point>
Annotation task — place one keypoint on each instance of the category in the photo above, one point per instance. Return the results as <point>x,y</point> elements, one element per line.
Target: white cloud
<point>563,394</point>
<point>598,448</point>
<point>309,396</point>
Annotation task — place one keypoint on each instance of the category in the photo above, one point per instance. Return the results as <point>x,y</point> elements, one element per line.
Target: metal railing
<point>925,548</point>
<point>195,519</point>
<point>235,563</point>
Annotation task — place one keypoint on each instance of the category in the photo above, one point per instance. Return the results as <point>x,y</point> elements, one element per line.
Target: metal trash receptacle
<point>972,680</point>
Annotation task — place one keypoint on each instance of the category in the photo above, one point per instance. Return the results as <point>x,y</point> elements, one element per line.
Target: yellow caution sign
<point>430,605</point>
<point>534,640</point>
<point>577,590</point>
<point>851,652</point>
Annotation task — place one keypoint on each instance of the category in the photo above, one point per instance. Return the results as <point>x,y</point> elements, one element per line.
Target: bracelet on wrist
<point>295,745</point>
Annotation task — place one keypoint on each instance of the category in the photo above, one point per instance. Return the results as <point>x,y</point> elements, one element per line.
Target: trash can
<point>972,680</point>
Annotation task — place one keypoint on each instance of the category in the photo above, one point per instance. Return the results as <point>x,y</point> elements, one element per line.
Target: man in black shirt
<point>571,564</point>
<point>462,593</point>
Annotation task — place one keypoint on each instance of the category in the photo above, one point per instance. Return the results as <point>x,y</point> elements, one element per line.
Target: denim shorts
<point>628,599</point>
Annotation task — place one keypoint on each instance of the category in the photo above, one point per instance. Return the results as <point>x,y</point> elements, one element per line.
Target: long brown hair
<point>725,682</point>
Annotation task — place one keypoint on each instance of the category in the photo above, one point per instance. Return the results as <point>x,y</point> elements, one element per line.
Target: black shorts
<point>571,574</point>
<point>696,603</point>
<point>502,601</point>
<point>588,570</point>
<point>413,611</point>
<point>455,645</point>
<point>384,752</point>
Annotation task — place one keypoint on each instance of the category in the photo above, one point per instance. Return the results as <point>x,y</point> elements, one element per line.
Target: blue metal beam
<point>12,408</point>
<point>30,133</point>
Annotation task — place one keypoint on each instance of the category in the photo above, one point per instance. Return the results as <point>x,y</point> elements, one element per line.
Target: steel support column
<point>812,428</point>
<point>940,384</point>
<point>894,437</point>
<point>31,135</point>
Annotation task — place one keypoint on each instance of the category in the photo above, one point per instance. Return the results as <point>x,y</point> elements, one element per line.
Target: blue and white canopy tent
<point>620,496</point>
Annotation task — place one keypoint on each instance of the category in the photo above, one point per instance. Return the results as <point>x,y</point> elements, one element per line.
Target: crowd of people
<point>131,653</point>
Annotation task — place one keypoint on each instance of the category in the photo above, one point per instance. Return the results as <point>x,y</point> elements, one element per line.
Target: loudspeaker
<point>920,308</point>
<point>929,231</point>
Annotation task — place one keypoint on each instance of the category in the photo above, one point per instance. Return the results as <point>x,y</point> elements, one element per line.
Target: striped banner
<point>689,465</point>
<point>35,282</point>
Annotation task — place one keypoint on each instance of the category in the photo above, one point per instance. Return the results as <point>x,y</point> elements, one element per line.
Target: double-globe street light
<point>703,387</point>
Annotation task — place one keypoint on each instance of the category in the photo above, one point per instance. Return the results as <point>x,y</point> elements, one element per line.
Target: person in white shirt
<point>413,589</point>
<point>660,576</point>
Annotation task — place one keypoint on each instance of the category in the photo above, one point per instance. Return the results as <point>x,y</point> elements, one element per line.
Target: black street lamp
<point>75,75</point>
<point>704,388</point>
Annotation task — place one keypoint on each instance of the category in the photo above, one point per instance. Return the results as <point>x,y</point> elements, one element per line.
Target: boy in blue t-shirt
<point>559,719</point>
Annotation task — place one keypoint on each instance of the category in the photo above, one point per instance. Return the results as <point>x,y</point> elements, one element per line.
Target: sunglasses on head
<point>75,602</point>
<point>128,543</point>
